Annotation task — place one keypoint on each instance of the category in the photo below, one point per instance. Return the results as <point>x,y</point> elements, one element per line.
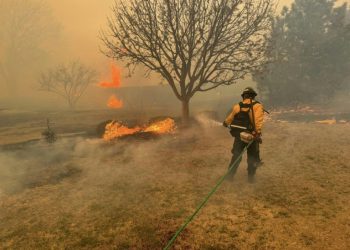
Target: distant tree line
<point>309,54</point>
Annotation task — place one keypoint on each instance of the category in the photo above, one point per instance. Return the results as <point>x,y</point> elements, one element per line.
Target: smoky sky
<point>81,21</point>
<point>78,39</point>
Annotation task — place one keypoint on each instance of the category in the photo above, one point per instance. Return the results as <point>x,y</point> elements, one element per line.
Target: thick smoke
<point>36,164</point>
<point>94,161</point>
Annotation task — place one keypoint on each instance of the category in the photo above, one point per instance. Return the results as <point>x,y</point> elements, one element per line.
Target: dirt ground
<point>83,193</point>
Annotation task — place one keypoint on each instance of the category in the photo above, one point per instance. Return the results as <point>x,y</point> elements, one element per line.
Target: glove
<point>224,124</point>
<point>256,134</point>
<point>257,137</point>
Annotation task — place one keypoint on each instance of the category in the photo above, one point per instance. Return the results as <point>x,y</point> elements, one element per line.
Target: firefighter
<point>249,114</point>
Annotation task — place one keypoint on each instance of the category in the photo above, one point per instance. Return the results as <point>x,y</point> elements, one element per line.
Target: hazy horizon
<point>78,39</point>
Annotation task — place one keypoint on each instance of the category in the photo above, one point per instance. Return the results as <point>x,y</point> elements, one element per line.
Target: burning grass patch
<point>154,128</point>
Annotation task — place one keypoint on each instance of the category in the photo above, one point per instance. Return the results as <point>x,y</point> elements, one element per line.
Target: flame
<point>115,103</point>
<point>166,126</point>
<point>116,79</point>
<point>116,130</point>
<point>330,122</point>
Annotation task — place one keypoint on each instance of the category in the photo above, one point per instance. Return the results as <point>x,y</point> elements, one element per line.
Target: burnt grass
<point>135,193</point>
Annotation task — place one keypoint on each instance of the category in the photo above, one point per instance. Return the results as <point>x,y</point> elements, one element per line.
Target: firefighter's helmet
<point>250,91</point>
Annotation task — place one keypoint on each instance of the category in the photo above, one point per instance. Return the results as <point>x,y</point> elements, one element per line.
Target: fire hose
<point>204,202</point>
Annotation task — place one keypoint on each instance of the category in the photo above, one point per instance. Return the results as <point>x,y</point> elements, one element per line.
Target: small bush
<point>49,135</point>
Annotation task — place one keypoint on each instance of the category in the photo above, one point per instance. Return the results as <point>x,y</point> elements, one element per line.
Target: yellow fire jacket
<point>258,114</point>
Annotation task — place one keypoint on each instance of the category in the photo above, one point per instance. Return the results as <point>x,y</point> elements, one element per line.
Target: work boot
<point>251,179</point>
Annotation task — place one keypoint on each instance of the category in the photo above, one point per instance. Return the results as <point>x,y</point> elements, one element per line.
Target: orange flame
<point>114,102</point>
<point>115,130</point>
<point>166,126</point>
<point>116,79</point>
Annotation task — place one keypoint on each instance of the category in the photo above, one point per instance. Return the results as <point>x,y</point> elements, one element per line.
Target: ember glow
<point>116,130</point>
<point>114,102</point>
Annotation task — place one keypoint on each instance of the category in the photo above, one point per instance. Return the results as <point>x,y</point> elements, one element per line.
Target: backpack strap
<point>241,105</point>
<point>253,115</point>
<point>247,105</point>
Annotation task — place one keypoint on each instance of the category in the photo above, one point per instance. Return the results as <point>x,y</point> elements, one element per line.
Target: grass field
<point>83,193</point>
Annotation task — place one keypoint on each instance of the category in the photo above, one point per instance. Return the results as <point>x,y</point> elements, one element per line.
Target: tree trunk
<point>185,112</point>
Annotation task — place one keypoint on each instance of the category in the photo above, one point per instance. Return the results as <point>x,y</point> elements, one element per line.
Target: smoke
<point>35,165</point>
<point>78,39</point>
<point>89,162</point>
<point>341,101</point>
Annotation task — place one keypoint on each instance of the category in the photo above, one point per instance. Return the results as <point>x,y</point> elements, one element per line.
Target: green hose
<point>189,219</point>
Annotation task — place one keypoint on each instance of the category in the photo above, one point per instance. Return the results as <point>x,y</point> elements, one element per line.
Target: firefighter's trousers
<point>253,158</point>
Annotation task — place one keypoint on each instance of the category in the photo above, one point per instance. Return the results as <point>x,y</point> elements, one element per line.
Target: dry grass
<point>135,194</point>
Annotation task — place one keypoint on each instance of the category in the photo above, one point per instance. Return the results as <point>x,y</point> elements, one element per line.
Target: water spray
<point>207,122</point>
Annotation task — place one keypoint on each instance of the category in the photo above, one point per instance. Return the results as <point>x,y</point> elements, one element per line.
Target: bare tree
<point>68,81</point>
<point>195,45</point>
<point>25,26</point>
